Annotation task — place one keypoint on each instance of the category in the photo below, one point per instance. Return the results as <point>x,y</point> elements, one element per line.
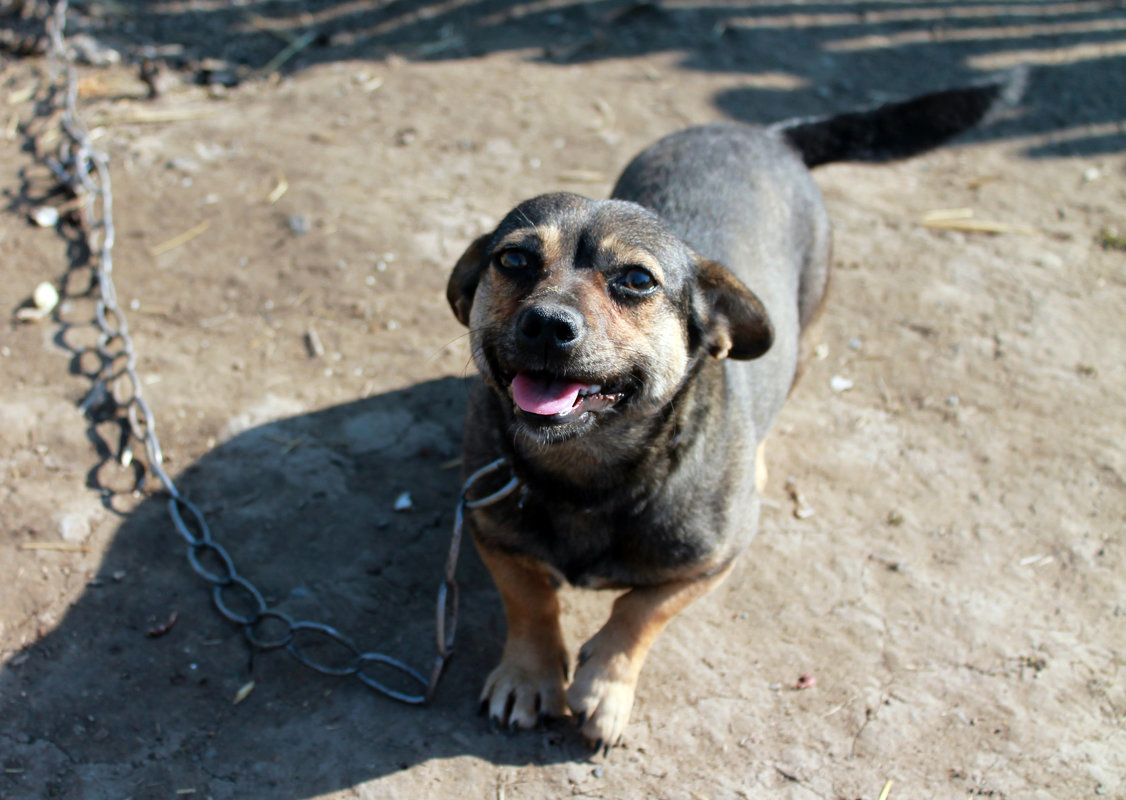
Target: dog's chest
<point>603,547</point>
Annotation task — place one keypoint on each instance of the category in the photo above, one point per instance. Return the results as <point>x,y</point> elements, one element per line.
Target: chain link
<point>84,170</point>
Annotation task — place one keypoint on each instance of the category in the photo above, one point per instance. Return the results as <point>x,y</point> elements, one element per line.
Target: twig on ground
<point>183,238</point>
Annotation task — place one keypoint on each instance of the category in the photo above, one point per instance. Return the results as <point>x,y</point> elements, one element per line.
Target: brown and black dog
<point>633,353</point>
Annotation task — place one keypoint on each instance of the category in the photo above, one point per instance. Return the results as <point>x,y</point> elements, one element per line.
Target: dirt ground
<point>957,593</point>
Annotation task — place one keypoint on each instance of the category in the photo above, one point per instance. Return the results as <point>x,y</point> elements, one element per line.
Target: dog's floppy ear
<point>734,318</point>
<point>467,273</point>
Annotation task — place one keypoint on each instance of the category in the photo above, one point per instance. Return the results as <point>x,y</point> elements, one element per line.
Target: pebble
<point>840,384</point>
<point>44,299</point>
<point>88,50</point>
<point>299,224</point>
<point>184,164</point>
<point>44,216</point>
<point>313,343</point>
<point>45,296</point>
<point>74,527</point>
<point>403,502</point>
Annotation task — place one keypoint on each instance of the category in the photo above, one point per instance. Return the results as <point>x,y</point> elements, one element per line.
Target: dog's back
<point>743,195</point>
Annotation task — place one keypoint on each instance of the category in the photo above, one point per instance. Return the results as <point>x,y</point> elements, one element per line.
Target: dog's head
<point>585,312</point>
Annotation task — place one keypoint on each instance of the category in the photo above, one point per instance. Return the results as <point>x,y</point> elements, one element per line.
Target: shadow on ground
<point>793,56</point>
<point>305,505</point>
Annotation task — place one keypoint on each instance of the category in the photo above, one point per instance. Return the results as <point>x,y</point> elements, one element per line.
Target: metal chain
<point>84,170</point>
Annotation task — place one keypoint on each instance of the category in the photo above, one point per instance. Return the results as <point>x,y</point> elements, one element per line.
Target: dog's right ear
<point>465,277</point>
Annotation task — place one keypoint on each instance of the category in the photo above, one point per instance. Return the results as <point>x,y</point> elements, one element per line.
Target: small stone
<point>184,164</point>
<point>313,343</point>
<point>403,502</point>
<point>74,528</point>
<point>299,224</point>
<point>1092,174</point>
<point>43,302</point>
<point>854,344</point>
<point>839,384</point>
<point>805,681</point>
<point>44,216</point>
<point>1049,261</point>
<point>88,50</point>
<point>45,297</point>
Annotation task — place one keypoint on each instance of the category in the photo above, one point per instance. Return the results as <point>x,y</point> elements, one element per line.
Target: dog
<point>633,353</point>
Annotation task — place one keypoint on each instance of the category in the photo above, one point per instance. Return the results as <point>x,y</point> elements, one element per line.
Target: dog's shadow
<point>135,690</point>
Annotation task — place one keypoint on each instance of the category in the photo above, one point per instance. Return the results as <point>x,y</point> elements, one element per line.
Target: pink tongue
<point>544,396</point>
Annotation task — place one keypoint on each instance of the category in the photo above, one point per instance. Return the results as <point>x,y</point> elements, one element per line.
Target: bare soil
<point>956,595</point>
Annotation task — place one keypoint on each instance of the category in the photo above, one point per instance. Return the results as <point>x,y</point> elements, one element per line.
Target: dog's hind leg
<point>528,684</point>
<point>601,696</point>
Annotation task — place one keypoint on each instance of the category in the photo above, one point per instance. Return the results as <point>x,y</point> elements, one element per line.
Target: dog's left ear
<point>467,273</point>
<point>735,320</point>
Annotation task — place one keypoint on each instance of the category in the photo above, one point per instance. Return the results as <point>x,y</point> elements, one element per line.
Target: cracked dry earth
<point>935,599</point>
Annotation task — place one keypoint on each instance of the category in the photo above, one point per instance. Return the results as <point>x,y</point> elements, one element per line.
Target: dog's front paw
<point>524,691</point>
<point>601,696</point>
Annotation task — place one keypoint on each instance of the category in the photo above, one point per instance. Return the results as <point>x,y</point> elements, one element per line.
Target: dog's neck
<point>600,456</point>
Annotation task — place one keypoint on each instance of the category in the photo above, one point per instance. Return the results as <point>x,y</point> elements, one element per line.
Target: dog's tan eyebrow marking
<point>631,254</point>
<point>548,237</point>
<point>551,240</point>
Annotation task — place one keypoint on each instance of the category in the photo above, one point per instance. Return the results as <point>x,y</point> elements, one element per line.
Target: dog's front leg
<point>610,663</point>
<point>529,683</point>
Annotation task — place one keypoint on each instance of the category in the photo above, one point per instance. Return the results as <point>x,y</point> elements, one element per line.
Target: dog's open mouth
<point>558,399</point>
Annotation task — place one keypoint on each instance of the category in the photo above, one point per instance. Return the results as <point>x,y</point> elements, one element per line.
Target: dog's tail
<point>900,130</point>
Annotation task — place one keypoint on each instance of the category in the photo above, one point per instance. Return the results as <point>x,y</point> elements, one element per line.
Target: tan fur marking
<point>529,681</point>
<point>605,681</point>
<point>551,240</point>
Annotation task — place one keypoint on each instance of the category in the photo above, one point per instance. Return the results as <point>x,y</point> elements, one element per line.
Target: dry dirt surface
<point>942,552</point>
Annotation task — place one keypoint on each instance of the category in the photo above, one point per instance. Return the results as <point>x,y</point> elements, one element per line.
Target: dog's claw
<point>518,698</point>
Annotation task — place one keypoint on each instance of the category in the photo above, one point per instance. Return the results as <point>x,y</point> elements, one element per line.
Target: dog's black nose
<point>551,326</point>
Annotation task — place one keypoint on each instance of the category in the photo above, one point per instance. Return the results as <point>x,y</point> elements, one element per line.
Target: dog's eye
<point>638,280</point>
<point>513,259</point>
